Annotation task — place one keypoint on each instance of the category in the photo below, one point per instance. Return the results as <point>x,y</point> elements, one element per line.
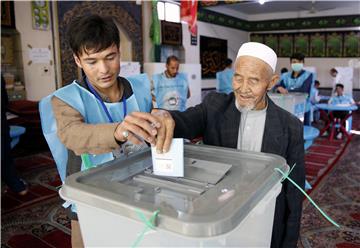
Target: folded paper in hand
<point>170,163</point>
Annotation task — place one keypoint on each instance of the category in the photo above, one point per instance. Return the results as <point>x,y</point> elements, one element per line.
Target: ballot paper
<point>170,163</point>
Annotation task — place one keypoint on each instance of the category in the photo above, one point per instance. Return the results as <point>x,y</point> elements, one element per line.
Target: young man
<point>298,80</point>
<point>247,119</point>
<point>224,78</point>
<point>99,115</point>
<point>340,99</point>
<point>171,88</point>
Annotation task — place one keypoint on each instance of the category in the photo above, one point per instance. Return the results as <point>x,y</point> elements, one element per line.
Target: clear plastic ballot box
<point>226,198</point>
<point>293,102</point>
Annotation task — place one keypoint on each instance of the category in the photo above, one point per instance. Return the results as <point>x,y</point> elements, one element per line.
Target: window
<point>168,11</point>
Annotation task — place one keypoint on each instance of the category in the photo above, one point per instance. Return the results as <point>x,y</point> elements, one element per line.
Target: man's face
<point>339,91</point>
<point>172,68</point>
<point>333,74</point>
<point>101,68</point>
<point>251,80</point>
<point>296,61</point>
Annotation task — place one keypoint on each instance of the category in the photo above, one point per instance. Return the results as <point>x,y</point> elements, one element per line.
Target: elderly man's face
<point>252,79</point>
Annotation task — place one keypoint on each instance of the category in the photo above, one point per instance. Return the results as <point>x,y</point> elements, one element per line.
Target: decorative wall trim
<point>213,17</point>
<point>335,44</point>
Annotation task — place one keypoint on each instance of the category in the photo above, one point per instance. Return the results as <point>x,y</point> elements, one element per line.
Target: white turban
<point>259,51</point>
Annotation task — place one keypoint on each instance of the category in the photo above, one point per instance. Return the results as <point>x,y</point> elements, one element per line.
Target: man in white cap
<point>248,120</point>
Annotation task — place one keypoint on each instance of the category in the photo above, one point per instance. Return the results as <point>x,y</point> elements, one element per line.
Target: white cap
<point>260,51</point>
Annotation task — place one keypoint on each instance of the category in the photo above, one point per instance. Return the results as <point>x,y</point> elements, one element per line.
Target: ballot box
<point>293,102</point>
<point>226,198</point>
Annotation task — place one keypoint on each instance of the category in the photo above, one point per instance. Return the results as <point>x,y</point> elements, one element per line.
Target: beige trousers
<point>76,238</point>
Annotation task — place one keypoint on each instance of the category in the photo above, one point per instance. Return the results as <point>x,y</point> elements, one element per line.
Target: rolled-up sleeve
<point>79,136</point>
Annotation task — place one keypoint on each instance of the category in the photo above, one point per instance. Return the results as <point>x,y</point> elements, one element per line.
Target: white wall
<point>37,83</point>
<point>234,37</point>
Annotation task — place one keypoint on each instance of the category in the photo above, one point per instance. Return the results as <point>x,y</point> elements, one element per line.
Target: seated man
<point>247,119</point>
<point>340,99</point>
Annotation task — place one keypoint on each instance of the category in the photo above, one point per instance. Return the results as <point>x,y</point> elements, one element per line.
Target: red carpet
<point>36,219</point>
<point>338,195</point>
<point>321,157</point>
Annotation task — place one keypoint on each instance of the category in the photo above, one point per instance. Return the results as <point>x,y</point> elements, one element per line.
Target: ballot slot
<point>200,175</point>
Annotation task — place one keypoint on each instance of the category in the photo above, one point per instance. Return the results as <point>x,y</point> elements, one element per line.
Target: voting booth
<point>226,198</point>
<point>293,102</point>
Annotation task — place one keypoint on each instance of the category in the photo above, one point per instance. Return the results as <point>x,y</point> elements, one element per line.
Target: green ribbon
<point>149,224</point>
<point>86,160</point>
<point>286,176</point>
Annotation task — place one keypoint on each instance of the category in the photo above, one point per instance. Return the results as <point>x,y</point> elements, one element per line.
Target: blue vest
<point>224,81</point>
<point>297,85</point>
<point>90,108</point>
<point>171,93</point>
<point>344,99</point>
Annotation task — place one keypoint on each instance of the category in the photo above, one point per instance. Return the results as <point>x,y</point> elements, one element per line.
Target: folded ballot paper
<point>170,163</point>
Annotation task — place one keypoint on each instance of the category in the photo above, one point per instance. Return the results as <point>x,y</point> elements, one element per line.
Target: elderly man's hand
<point>166,131</point>
<point>282,90</point>
<point>136,127</point>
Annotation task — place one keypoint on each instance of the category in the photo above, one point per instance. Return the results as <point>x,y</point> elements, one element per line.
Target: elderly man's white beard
<point>244,109</point>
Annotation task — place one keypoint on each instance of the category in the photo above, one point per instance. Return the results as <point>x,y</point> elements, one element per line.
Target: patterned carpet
<point>36,219</point>
<point>338,195</point>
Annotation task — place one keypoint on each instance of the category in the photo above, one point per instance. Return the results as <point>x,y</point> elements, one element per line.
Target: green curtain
<point>155,24</point>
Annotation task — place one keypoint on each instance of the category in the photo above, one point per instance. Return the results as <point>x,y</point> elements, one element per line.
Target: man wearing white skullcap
<point>248,120</point>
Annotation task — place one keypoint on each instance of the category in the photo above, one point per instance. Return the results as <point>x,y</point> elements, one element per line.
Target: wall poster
<point>213,53</point>
<point>301,44</point>
<point>334,46</point>
<point>285,45</point>
<point>272,42</point>
<point>352,44</point>
<point>317,45</point>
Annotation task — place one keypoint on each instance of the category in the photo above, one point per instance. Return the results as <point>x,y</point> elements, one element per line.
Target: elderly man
<point>247,119</point>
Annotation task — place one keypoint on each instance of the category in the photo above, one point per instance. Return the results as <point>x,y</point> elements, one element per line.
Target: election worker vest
<point>171,93</point>
<point>92,111</point>
<point>224,81</point>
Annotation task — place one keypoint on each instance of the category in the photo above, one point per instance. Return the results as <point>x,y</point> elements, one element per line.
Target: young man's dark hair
<point>298,56</point>
<point>317,82</point>
<point>170,58</point>
<point>228,62</point>
<point>92,33</point>
<point>333,70</point>
<point>339,85</point>
<point>283,70</point>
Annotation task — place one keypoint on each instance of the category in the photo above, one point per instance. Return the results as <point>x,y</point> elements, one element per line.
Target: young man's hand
<point>166,131</point>
<point>138,127</point>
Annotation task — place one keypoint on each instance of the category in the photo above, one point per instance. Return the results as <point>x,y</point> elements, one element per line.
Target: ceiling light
<point>262,1</point>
